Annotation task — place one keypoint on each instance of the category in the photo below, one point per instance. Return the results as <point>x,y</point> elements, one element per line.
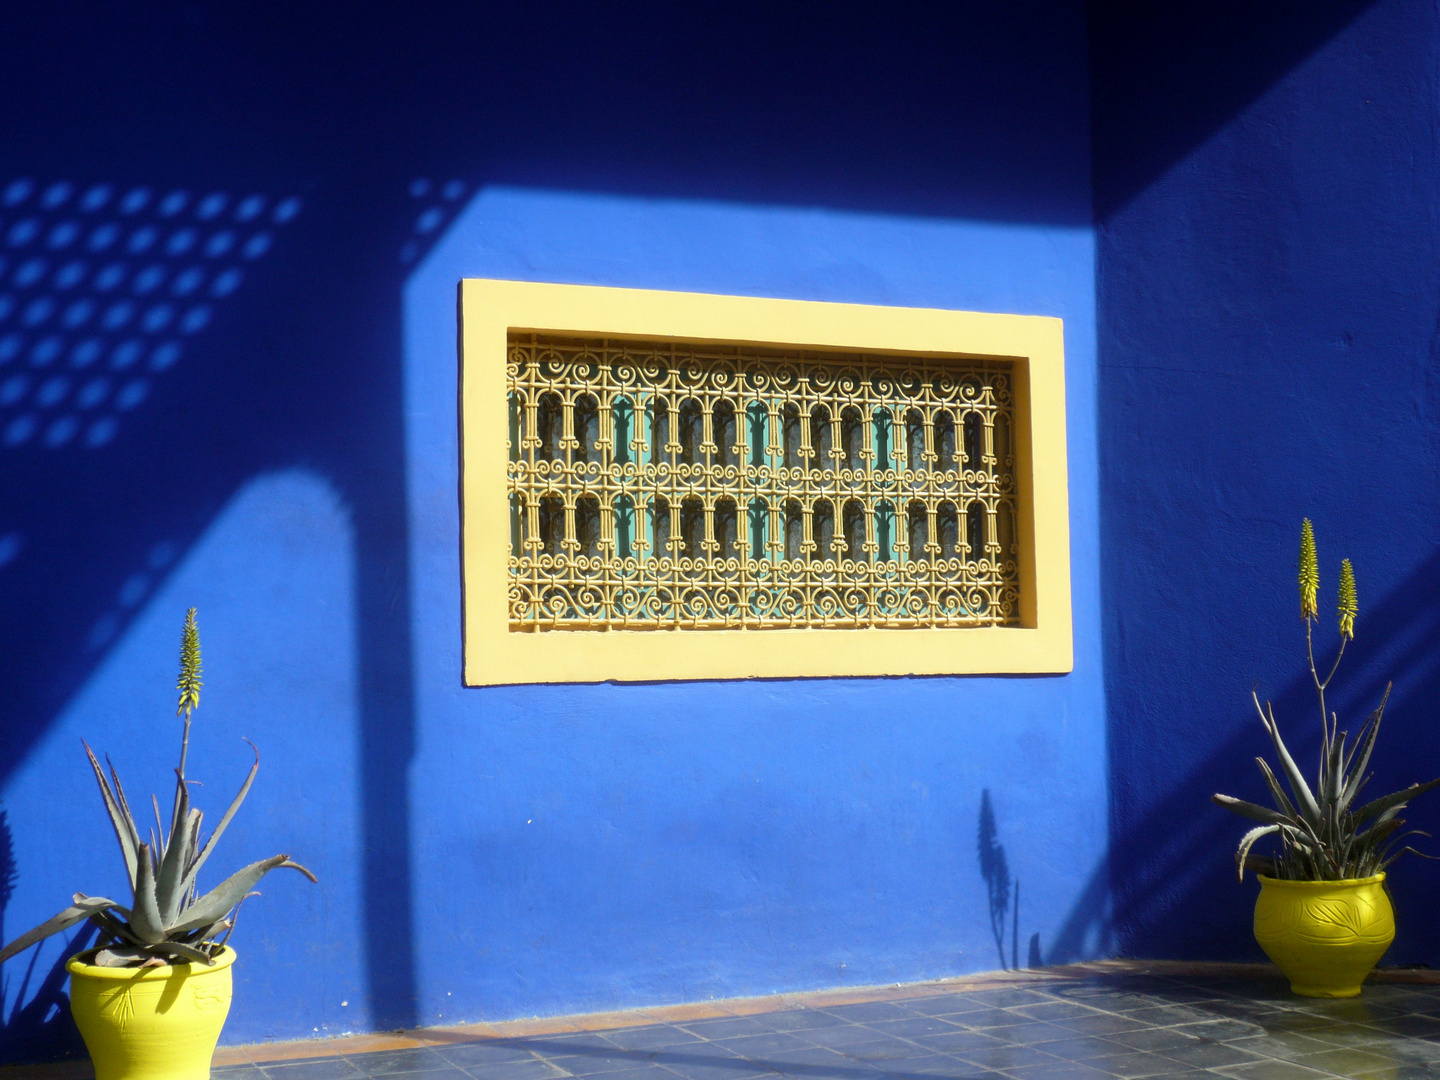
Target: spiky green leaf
<point>184,953</point>
<point>1248,841</point>
<point>224,821</point>
<point>1253,811</point>
<point>214,905</point>
<point>145,915</point>
<point>170,882</point>
<point>1366,744</point>
<point>1394,799</point>
<point>78,912</point>
<point>1304,797</point>
<point>123,824</point>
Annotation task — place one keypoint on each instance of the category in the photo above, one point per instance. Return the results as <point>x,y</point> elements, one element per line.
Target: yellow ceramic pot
<point>157,1023</point>
<point>1326,936</point>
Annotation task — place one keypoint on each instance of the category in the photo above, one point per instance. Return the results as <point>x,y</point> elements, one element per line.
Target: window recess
<point>682,486</point>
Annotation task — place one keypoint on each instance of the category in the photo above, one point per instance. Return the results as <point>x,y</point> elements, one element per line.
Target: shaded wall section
<point>1267,312</point>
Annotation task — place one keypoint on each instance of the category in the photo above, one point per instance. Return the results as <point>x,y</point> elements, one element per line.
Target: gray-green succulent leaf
<point>1321,837</point>
<point>169,920</point>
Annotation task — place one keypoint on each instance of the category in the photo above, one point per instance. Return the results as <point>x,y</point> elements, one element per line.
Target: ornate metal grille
<point>663,486</point>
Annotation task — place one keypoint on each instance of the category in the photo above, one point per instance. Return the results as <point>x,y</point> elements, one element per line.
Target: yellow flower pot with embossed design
<point>1326,936</point>
<point>159,1023</point>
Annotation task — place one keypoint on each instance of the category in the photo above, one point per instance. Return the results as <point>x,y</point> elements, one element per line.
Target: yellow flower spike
<point>1349,604</point>
<point>1309,571</point>
<point>189,681</point>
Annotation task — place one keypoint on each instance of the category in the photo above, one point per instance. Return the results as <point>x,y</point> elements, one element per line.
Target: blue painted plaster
<point>595,847</point>
<point>1268,312</point>
<point>486,854</point>
<point>1250,337</point>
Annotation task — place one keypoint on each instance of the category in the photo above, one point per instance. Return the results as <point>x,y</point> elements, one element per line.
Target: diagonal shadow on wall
<point>1165,77</point>
<point>1172,872</point>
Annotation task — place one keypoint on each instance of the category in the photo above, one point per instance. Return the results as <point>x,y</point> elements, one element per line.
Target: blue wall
<point>487,854</point>
<point>1268,303</point>
<point>673,842</point>
<point>1246,266</point>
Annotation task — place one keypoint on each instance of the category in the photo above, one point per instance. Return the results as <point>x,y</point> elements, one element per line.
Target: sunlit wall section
<point>593,847</point>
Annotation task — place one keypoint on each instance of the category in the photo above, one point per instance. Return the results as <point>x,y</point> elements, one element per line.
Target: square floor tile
<point>313,1069</point>
<point>723,1027</point>
<point>1060,1070</point>
<point>872,1010</point>
<point>754,1046</point>
<point>396,1062</point>
<point>1101,1023</point>
<point>489,1052</point>
<point>516,1070</point>
<point>646,1038</point>
<point>913,1026</point>
<point>1054,1010</point>
<point>1272,1070</point>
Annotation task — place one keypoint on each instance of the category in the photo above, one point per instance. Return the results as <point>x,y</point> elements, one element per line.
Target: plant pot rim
<point>76,966</point>
<point>1289,883</point>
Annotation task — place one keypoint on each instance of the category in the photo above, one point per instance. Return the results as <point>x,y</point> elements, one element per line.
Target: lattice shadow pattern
<point>100,292</point>
<point>656,485</point>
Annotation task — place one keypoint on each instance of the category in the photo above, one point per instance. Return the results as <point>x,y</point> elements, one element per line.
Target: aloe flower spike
<point>1349,606</point>
<point>189,682</point>
<point>1309,571</point>
<point>189,686</point>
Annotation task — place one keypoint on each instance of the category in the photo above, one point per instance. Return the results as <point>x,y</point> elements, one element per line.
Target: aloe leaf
<point>145,915</point>
<point>1304,797</point>
<point>124,827</point>
<point>119,956</point>
<point>1253,811</point>
<point>159,831</point>
<point>1261,864</point>
<point>123,803</point>
<point>1334,776</point>
<point>170,881</point>
<point>1247,841</point>
<point>1276,791</point>
<point>224,821</point>
<point>198,817</point>
<point>76,913</point>
<point>181,806</point>
<point>1385,802</point>
<point>1384,856</point>
<point>1402,851</point>
<point>1372,729</point>
<point>213,906</point>
<point>1374,838</point>
<point>114,927</point>
<point>185,952</point>
<point>1391,813</point>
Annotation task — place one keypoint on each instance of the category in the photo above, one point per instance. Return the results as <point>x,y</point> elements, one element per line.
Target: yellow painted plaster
<point>495,655</point>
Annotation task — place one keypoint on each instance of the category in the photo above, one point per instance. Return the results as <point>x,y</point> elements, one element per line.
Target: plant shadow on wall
<point>1002,891</point>
<point>1171,878</point>
<point>38,1024</point>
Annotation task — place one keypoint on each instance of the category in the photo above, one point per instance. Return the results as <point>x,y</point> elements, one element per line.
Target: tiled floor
<point>1097,1023</point>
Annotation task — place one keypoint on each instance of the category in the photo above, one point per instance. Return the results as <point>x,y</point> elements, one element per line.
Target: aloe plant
<point>168,920</point>
<point>1322,833</point>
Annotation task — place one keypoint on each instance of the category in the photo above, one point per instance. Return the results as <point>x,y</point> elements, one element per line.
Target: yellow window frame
<point>491,310</point>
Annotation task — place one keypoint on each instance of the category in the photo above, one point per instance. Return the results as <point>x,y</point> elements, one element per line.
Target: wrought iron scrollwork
<point>672,486</point>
